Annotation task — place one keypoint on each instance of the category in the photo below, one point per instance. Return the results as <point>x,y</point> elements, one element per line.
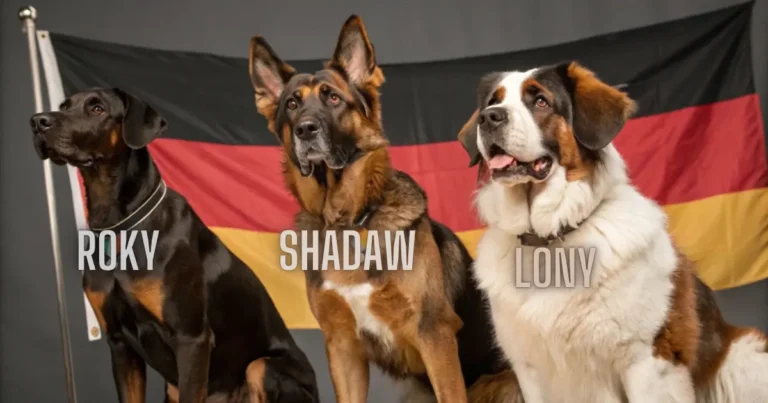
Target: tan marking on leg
<point>254,375</point>
<point>172,393</point>
<point>134,386</point>
<point>149,292</point>
<point>96,299</point>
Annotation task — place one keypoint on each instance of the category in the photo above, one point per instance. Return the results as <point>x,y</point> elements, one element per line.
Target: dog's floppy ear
<point>468,138</point>
<point>599,110</point>
<point>355,56</point>
<point>269,74</point>
<point>141,123</point>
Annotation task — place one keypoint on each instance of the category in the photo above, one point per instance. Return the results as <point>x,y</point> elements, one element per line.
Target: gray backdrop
<point>31,367</point>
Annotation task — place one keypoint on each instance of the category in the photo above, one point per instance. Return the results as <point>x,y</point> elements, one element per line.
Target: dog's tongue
<point>500,161</point>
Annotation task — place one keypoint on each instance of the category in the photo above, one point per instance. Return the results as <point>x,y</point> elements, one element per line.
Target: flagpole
<point>28,15</point>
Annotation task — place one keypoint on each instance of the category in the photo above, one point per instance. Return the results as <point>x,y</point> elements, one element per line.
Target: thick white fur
<point>590,344</point>
<point>744,375</point>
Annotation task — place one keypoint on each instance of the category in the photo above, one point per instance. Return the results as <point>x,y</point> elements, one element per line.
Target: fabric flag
<point>697,145</point>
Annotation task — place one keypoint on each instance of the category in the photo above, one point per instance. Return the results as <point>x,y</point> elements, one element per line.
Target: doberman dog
<point>200,316</point>
<point>428,325</point>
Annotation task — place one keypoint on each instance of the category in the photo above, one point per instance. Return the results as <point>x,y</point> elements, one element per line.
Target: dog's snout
<point>41,122</point>
<point>307,129</point>
<point>493,117</point>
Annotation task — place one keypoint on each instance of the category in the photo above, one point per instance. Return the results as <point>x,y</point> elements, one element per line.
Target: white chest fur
<point>576,338</point>
<point>358,298</point>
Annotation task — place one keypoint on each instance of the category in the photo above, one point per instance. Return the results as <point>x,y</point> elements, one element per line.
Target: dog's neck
<point>341,197</point>
<point>545,209</point>
<point>114,189</point>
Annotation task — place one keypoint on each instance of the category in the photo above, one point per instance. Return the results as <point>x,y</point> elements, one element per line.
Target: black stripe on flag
<point>665,67</point>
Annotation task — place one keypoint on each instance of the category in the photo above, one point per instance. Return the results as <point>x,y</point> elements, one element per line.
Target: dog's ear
<point>269,74</point>
<point>141,123</point>
<point>355,56</point>
<point>468,139</point>
<point>599,110</point>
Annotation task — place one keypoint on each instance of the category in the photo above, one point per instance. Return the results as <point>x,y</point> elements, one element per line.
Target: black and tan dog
<point>201,318</point>
<point>428,325</point>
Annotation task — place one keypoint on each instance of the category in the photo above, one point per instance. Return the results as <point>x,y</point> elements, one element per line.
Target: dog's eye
<point>98,109</point>
<point>493,101</point>
<point>292,104</point>
<point>541,102</point>
<point>334,99</point>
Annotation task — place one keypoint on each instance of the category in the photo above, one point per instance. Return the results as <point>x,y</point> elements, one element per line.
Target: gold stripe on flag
<point>726,235</point>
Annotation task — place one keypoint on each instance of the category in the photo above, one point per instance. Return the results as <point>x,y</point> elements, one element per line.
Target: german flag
<point>697,145</point>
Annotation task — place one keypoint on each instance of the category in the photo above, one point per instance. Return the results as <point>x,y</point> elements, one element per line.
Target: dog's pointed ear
<point>355,55</point>
<point>269,74</point>
<point>468,139</point>
<point>141,123</point>
<point>599,110</point>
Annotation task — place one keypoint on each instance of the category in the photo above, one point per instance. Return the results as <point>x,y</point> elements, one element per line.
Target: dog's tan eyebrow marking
<point>532,83</point>
<point>302,92</point>
<point>339,91</point>
<point>114,136</point>
<point>499,94</point>
<point>338,80</point>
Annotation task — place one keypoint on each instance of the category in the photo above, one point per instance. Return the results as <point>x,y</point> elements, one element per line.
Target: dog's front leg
<point>129,371</point>
<point>349,368</point>
<point>347,359</point>
<point>530,383</point>
<point>440,353</point>
<point>655,380</point>
<point>193,357</point>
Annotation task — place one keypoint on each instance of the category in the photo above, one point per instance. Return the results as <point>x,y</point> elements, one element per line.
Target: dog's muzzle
<point>492,122</point>
<point>40,124</point>
<point>308,129</point>
<point>311,143</point>
<point>311,136</point>
<point>493,118</point>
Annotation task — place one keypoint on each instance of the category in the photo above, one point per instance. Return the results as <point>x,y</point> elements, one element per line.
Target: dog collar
<point>133,219</point>
<point>141,213</point>
<point>362,219</point>
<point>531,238</point>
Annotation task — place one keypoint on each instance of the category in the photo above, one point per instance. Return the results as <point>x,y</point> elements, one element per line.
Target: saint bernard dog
<point>637,325</point>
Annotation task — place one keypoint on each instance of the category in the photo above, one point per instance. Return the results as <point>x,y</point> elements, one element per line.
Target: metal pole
<point>28,15</point>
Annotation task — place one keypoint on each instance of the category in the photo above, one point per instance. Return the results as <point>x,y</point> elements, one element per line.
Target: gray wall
<point>31,368</point>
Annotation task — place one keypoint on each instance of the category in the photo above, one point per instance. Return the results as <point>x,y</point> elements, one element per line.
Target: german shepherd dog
<point>199,316</point>
<point>427,326</point>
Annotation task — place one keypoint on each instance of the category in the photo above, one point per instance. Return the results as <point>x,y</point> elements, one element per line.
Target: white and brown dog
<point>637,325</point>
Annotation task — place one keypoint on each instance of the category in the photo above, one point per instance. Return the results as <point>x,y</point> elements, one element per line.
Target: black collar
<point>531,238</point>
<point>364,217</point>
<point>141,213</point>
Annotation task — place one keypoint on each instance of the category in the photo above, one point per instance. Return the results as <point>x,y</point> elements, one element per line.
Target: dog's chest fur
<point>582,337</point>
<point>358,297</point>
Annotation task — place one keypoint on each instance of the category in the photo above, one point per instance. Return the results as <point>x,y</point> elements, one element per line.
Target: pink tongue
<point>500,161</point>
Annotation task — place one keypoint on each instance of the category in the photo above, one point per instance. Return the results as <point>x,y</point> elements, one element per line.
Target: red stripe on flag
<point>242,186</point>
<point>674,157</point>
<point>697,152</point>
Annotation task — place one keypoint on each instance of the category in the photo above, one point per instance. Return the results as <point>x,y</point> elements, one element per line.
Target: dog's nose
<point>41,122</point>
<point>307,129</point>
<point>493,117</point>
